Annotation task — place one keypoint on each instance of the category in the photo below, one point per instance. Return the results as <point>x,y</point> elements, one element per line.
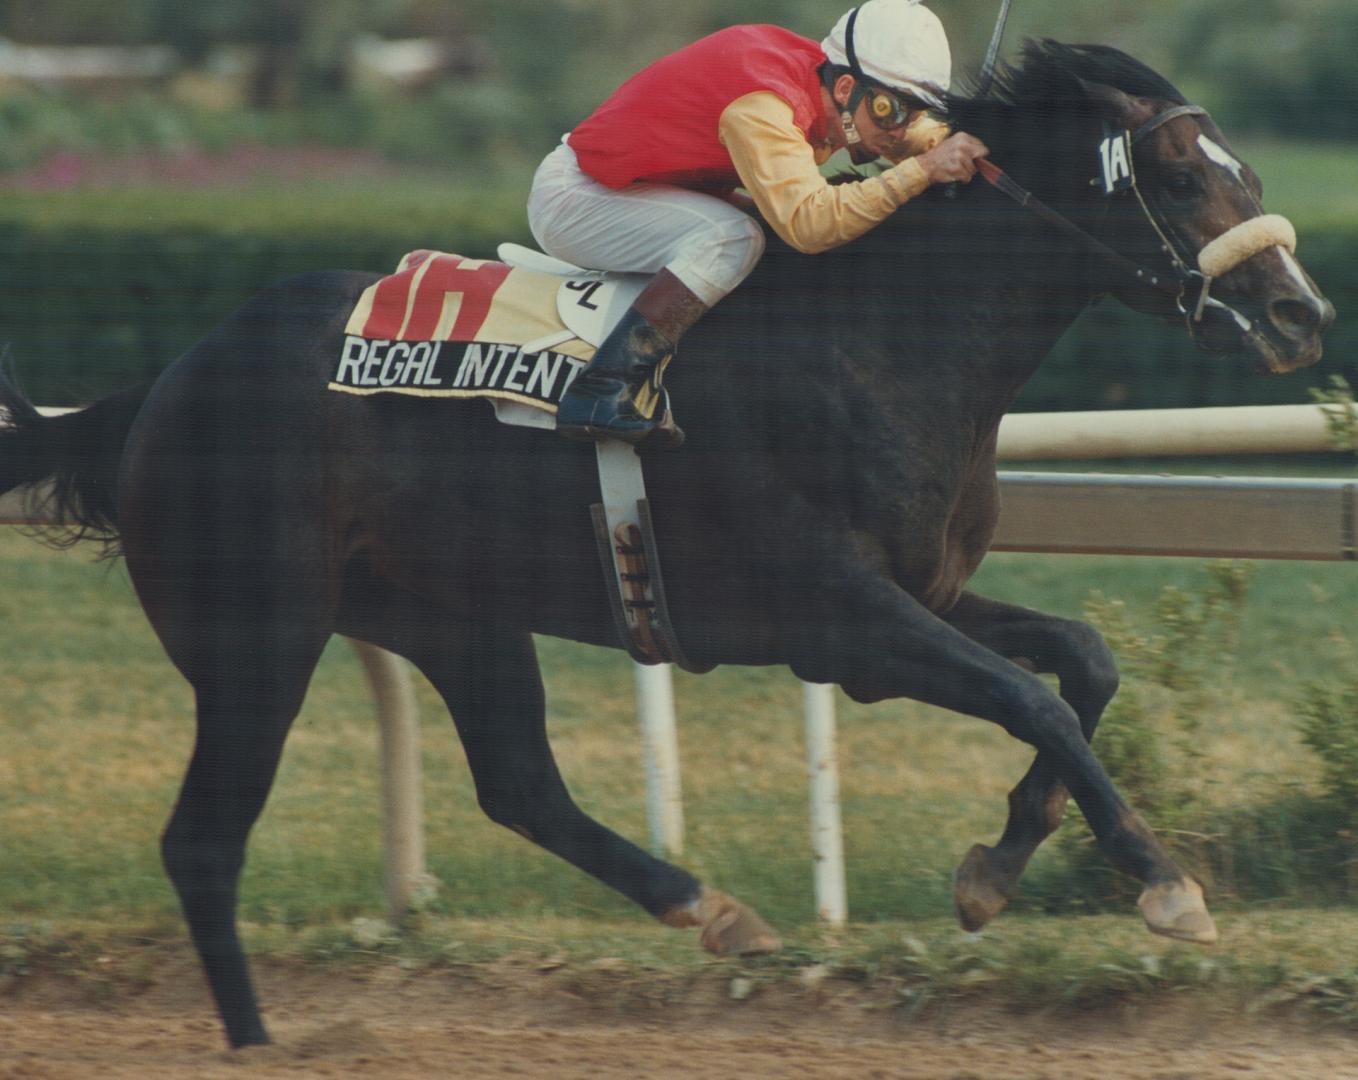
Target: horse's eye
<point>1182,185</point>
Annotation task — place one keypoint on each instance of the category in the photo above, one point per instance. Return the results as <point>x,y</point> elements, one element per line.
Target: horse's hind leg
<point>1075,653</point>
<point>240,738</point>
<point>247,639</point>
<point>489,677</point>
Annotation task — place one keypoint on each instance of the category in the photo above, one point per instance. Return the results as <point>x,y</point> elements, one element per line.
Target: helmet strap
<point>851,135</point>
<point>846,110</point>
<point>846,120</point>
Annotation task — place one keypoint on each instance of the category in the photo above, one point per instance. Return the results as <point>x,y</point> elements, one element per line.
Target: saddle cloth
<point>512,331</point>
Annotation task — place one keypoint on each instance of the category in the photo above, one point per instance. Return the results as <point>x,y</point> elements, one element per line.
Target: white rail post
<point>822,764</point>
<point>408,881</point>
<point>664,799</point>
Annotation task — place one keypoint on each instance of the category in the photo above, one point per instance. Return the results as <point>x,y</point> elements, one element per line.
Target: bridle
<point>1186,275</point>
<point>1188,286</point>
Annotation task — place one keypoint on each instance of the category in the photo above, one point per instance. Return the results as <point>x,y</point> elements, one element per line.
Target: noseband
<point>1187,285</point>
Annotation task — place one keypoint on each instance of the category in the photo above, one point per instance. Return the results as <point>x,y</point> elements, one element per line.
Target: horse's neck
<point>990,331</point>
<point>949,311</point>
<point>994,276</point>
<point>1020,326</point>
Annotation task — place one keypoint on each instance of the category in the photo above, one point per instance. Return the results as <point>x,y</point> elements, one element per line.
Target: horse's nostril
<point>1300,318</point>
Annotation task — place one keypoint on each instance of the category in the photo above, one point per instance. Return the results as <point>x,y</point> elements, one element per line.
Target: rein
<point>1026,199</point>
<point>1181,276</point>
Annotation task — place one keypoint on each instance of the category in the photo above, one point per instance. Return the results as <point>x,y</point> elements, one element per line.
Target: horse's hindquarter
<point>224,493</point>
<point>245,461</point>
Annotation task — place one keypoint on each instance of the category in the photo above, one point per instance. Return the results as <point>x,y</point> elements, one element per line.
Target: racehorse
<point>836,491</point>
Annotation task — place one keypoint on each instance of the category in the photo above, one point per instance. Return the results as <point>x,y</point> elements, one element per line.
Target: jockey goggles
<point>886,109</point>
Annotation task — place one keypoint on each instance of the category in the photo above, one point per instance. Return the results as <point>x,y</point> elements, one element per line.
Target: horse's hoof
<point>979,890</point>
<point>729,928</point>
<point>1176,909</point>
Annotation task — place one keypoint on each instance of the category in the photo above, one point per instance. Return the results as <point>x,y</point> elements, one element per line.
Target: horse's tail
<point>76,452</point>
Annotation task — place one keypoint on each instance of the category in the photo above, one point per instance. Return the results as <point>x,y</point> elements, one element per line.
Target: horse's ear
<point>1122,109</point>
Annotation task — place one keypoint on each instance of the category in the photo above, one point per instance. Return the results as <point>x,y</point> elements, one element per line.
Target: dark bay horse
<point>836,492</point>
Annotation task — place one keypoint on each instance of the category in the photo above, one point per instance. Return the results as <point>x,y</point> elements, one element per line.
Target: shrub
<point>1296,79</point>
<point>1329,727</point>
<point>1296,843</point>
<point>1341,416</point>
<point>1149,740</point>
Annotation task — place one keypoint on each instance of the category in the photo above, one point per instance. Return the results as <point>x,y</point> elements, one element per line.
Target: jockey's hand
<point>953,159</point>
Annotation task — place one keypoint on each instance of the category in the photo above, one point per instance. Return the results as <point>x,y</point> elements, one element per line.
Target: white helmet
<point>897,43</point>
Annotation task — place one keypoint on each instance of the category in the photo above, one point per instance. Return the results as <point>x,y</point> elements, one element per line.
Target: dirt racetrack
<point>519,1019</point>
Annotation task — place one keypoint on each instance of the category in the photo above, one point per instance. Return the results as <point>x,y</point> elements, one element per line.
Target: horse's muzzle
<point>1287,314</point>
<point>1294,326</point>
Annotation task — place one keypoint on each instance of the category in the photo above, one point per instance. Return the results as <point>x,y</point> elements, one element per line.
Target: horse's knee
<point>203,845</point>
<point>526,813</point>
<point>178,858</point>
<point>502,809</point>
<point>1088,673</point>
<point>198,867</point>
<point>1099,667</point>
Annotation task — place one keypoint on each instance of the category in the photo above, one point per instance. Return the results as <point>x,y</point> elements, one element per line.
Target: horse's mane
<point>1043,76</point>
<point>1031,98</point>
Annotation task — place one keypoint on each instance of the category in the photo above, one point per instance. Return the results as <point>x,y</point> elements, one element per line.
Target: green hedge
<point>88,306</point>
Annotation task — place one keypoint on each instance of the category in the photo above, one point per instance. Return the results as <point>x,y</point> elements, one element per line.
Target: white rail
<point>1238,429</point>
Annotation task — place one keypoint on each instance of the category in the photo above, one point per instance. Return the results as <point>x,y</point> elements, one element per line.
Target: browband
<point>1164,118</point>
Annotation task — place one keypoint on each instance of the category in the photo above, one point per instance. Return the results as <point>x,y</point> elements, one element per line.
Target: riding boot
<point>619,395</point>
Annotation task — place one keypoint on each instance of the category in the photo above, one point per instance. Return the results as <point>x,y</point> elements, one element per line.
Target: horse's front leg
<point>1074,652</point>
<point>907,651</point>
<point>488,674</point>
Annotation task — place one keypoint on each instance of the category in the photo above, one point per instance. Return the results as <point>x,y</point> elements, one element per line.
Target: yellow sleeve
<point>777,166</point>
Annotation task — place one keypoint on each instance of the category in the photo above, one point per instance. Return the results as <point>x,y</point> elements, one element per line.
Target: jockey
<point>647,183</point>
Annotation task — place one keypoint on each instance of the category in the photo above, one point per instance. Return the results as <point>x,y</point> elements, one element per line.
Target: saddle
<point>516,332</point>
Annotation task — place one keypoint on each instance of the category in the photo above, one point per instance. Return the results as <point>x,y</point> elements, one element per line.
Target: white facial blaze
<point>1294,268</point>
<point>1219,155</point>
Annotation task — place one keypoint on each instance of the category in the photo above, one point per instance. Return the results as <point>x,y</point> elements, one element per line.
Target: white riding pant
<point>708,244</point>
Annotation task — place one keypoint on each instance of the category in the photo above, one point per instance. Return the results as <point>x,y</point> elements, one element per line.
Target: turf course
<point>97,729</point>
